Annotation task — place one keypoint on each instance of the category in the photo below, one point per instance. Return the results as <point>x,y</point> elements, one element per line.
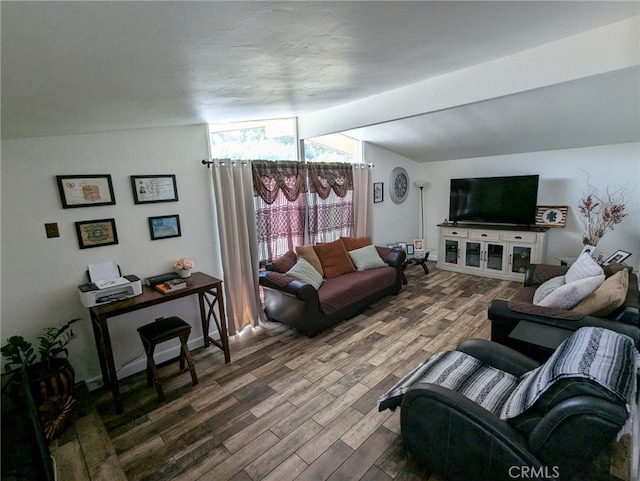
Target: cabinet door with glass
<point>451,251</point>
<point>484,256</point>
<point>519,258</point>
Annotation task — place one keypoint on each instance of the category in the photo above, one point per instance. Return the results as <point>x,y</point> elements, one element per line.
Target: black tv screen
<point>494,200</point>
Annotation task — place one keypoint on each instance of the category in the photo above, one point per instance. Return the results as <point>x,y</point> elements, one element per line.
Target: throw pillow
<point>306,273</point>
<point>353,243</point>
<point>570,294</point>
<point>606,298</point>
<point>309,254</point>
<point>611,269</point>
<point>366,258</point>
<point>582,268</point>
<point>547,288</point>
<point>334,259</point>
<point>285,262</point>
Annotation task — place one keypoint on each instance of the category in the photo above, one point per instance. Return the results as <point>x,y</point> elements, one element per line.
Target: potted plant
<point>51,376</point>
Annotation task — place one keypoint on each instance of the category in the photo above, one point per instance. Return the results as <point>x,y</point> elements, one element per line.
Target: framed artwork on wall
<point>149,189</point>
<point>96,233</point>
<point>85,190</point>
<point>164,226</point>
<point>378,192</point>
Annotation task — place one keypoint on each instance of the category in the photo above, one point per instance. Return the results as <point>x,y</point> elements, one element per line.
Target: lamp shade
<point>420,183</point>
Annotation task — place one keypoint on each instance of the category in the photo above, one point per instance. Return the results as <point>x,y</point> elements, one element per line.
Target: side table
<point>420,261</point>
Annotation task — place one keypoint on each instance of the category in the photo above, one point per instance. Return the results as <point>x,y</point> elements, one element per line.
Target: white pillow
<point>366,257</point>
<point>547,288</point>
<point>305,272</point>
<point>582,268</point>
<point>569,295</point>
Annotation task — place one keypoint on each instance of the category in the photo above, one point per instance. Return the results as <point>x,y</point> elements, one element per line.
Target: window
<point>332,148</point>
<point>263,139</point>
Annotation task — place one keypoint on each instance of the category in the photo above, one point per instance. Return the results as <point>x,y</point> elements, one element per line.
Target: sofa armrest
<point>538,273</point>
<point>297,288</point>
<point>396,258</point>
<point>498,356</point>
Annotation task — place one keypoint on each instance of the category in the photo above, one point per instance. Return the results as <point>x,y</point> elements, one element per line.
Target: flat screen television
<point>494,200</point>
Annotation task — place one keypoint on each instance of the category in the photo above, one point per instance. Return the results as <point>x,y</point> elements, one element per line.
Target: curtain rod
<point>209,162</point>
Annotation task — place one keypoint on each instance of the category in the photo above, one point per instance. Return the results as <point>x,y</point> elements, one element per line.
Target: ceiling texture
<point>80,67</point>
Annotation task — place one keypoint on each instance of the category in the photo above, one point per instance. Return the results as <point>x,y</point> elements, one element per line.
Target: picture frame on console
<point>617,257</point>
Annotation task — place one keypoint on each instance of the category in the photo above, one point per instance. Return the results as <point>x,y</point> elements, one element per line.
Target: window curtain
<point>279,203</point>
<point>233,191</point>
<point>362,200</point>
<point>330,201</point>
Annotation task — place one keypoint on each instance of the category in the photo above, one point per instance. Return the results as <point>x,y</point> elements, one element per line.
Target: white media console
<point>502,252</point>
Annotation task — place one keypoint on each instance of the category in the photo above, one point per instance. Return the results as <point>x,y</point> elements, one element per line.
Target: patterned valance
<point>325,177</point>
<point>271,177</point>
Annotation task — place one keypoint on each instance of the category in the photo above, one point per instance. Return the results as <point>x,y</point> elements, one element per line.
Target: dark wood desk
<point>209,291</point>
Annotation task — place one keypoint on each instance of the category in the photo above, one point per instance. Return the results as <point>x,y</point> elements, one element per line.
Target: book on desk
<point>172,285</point>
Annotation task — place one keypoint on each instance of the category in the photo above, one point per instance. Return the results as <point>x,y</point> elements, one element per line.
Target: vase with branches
<point>600,212</point>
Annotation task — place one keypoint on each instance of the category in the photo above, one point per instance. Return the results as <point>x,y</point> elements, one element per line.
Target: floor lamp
<point>421,184</point>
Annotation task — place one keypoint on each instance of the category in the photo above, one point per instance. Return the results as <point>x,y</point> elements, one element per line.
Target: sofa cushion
<point>334,259</point>
<point>547,288</point>
<point>611,269</point>
<point>522,301</point>
<point>582,268</point>
<point>343,291</point>
<point>352,243</point>
<point>305,272</point>
<point>285,262</point>
<point>571,293</point>
<point>606,298</point>
<point>366,258</point>
<point>308,253</point>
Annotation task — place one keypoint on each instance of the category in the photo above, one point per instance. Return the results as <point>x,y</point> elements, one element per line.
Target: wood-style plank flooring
<point>287,407</point>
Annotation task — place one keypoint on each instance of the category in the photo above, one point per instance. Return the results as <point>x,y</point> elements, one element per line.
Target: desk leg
<point>107,363</point>
<point>221,323</point>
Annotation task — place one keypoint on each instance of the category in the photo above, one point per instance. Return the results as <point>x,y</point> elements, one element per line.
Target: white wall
<point>561,183</point>
<point>393,222</point>
<point>40,276</point>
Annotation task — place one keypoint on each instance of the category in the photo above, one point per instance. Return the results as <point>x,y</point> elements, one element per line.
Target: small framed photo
<point>589,250</point>
<point>149,189</point>
<point>616,258</point>
<point>378,192</point>
<point>403,245</point>
<point>164,226</point>
<point>85,190</point>
<point>418,244</point>
<point>410,249</point>
<point>96,233</point>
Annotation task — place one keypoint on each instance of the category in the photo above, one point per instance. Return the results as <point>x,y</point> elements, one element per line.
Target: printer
<point>106,284</point>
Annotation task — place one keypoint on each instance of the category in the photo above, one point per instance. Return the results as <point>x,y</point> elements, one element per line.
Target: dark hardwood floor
<point>287,407</point>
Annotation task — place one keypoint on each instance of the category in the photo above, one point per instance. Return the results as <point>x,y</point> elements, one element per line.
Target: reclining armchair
<point>488,413</point>
<point>506,314</point>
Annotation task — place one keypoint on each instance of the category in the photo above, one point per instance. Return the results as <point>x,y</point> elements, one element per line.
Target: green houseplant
<point>51,376</point>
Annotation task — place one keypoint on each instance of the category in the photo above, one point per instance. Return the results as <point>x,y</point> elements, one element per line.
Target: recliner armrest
<point>396,258</point>
<point>498,356</point>
<point>298,288</point>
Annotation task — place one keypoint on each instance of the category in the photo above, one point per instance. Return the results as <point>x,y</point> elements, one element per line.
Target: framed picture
<point>85,190</point>
<point>96,233</point>
<point>164,226</point>
<point>418,244</point>
<point>378,192</point>
<point>616,258</point>
<point>588,249</point>
<point>551,215</point>
<point>410,249</point>
<point>154,188</point>
<point>403,245</point>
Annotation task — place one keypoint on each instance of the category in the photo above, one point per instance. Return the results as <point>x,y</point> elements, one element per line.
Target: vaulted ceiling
<point>376,69</point>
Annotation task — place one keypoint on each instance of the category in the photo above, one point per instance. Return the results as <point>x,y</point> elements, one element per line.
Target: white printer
<point>108,285</point>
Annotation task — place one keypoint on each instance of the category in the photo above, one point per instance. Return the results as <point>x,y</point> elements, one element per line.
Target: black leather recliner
<point>553,439</point>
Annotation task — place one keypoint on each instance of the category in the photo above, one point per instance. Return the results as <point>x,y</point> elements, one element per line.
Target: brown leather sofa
<point>310,311</point>
<point>506,314</point>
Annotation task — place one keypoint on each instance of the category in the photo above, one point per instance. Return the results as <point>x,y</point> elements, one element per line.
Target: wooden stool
<point>160,331</point>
